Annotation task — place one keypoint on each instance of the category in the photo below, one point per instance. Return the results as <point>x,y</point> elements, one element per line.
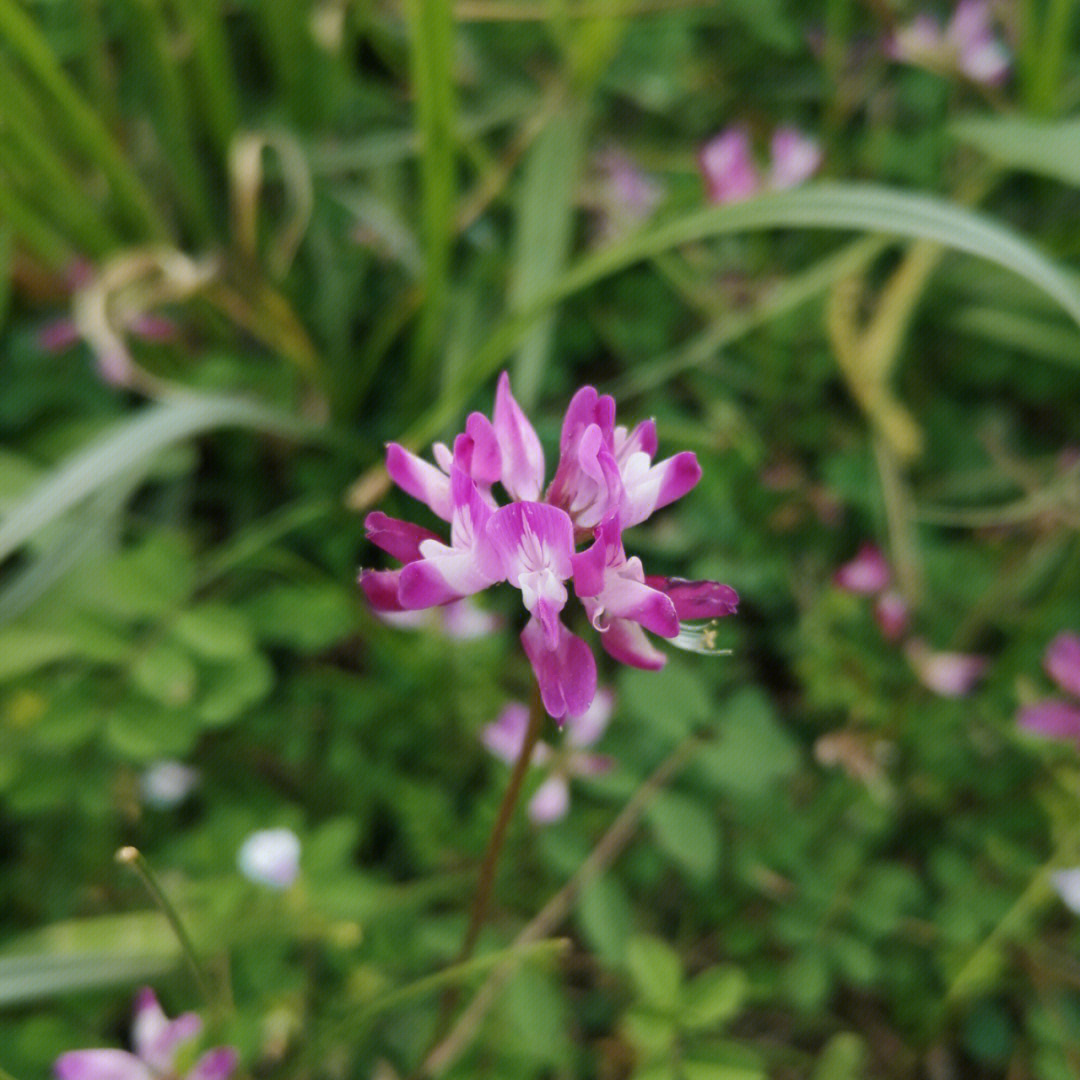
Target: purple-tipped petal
<point>867,573</point>
<point>626,641</point>
<point>551,800</point>
<point>566,674</point>
<point>648,488</point>
<point>531,536</point>
<point>727,167</point>
<point>586,729</point>
<point>101,1065</point>
<point>1062,662</point>
<point>419,479</point>
<point>216,1064</point>
<point>795,158</point>
<point>591,565</point>
<point>381,589</point>
<point>1053,718</point>
<point>642,440</point>
<point>486,464</point>
<point>522,454</point>
<point>626,596</point>
<point>401,539</point>
<point>697,599</point>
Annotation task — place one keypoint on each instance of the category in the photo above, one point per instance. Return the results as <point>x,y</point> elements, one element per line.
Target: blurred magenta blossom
<point>460,620</point>
<point>625,196</point>
<point>967,45</point>
<point>731,174</point>
<point>160,1046</point>
<point>869,574</point>
<point>947,674</point>
<point>1054,717</point>
<point>605,482</point>
<point>270,857</point>
<point>506,737</point>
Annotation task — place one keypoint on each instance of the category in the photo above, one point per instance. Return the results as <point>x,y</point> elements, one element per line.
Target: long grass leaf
<point>855,207</point>
<point>127,447</point>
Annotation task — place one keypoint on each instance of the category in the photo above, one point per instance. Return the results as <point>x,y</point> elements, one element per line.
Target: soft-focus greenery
<point>354,215</point>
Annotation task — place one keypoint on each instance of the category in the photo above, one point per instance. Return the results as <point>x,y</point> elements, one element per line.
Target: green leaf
<point>714,997</point>
<point>671,700</point>
<point>656,971</point>
<point>719,1070</point>
<point>215,632</point>
<point>843,1058</point>
<point>141,733</point>
<point>166,674</point>
<point>686,832</point>
<point>606,918</point>
<point>24,650</point>
<point>1025,144</point>
<point>653,1035</point>
<point>306,617</point>
<point>752,751</point>
<point>229,689</point>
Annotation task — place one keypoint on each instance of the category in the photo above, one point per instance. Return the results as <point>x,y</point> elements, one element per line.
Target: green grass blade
<point>83,125</point>
<point>127,447</point>
<point>431,32</point>
<point>854,207</point>
<point>1024,144</point>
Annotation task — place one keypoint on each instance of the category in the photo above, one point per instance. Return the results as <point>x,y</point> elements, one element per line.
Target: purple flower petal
<point>649,487</point>
<point>156,1038</point>
<point>586,729</point>
<point>565,674</point>
<point>1053,718</point>
<point>57,336</point>
<point>419,479</point>
<point>505,736</point>
<point>398,538</point>
<point>381,589</point>
<point>216,1064</point>
<point>795,158</point>
<point>697,599</point>
<point>1062,662</point>
<point>485,460</point>
<point>101,1065</point>
<point>551,800</point>
<point>522,454</point>
<point>867,573</point>
<point>892,615</point>
<point>948,674</point>
<point>626,641</point>
<point>727,167</point>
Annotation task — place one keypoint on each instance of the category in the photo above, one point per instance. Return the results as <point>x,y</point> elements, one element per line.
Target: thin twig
<point>558,907</point>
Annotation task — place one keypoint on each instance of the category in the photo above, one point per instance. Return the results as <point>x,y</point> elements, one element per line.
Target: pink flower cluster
<point>605,482</point>
<point>506,736</point>
<point>160,1044</point>
<point>967,45</point>
<point>948,674</point>
<point>730,173</point>
<point>1053,717</point>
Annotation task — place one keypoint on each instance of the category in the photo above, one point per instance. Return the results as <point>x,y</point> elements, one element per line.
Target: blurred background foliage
<point>245,242</point>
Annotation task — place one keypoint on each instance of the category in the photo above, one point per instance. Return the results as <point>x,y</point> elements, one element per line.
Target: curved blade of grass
<point>1026,144</point>
<point>125,448</point>
<point>856,207</point>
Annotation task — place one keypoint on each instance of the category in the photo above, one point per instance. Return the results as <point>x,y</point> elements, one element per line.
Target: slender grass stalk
<point>80,122</point>
<point>97,68</point>
<point>133,858</point>
<point>431,32</point>
<point>1047,76</point>
<point>32,229</point>
<point>213,74</point>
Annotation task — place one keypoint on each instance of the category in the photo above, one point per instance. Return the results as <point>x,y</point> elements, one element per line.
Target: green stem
<point>133,858</point>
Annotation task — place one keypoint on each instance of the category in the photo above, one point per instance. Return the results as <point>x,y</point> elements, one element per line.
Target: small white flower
<point>167,783</point>
<point>270,857</point>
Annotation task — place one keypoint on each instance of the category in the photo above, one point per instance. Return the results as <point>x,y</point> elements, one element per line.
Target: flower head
<point>867,573</point>
<point>545,542</point>
<point>270,857</point>
<point>551,800</point>
<point>730,173</point>
<point>967,45</point>
<point>1053,717</point>
<point>159,1045</point>
<point>947,674</point>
